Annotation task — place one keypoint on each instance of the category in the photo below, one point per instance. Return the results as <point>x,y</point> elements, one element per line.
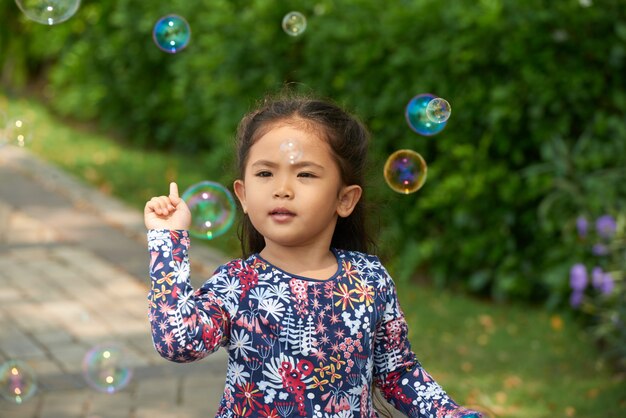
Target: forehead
<point>311,142</point>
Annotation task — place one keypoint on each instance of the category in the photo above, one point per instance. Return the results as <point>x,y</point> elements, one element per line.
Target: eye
<point>263,173</point>
<point>307,174</point>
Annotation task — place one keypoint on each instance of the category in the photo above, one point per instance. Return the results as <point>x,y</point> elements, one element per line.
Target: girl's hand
<point>167,212</point>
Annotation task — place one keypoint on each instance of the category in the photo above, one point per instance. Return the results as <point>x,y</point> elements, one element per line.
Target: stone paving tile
<point>73,274</point>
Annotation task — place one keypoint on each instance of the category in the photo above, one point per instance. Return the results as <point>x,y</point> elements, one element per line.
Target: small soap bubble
<point>212,209</point>
<point>481,411</point>
<point>405,171</point>
<point>417,119</point>
<point>294,23</point>
<point>106,368</point>
<point>438,110</point>
<point>18,132</point>
<point>171,33</point>
<point>18,382</point>
<point>48,12</point>
<point>291,150</point>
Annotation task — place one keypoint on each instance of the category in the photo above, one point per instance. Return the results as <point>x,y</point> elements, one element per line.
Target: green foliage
<point>526,80</point>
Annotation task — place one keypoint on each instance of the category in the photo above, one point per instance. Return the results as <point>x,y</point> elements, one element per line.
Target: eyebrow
<point>299,164</point>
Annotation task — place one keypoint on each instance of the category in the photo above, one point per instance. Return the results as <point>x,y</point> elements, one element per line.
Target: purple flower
<point>597,277</point>
<point>575,299</point>
<point>582,226</point>
<point>607,284</point>
<point>599,249</point>
<point>578,277</point>
<point>606,226</point>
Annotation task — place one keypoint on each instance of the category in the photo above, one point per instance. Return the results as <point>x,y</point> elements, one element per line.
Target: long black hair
<point>348,139</point>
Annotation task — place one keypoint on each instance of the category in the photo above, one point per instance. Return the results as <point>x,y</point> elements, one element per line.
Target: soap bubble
<point>18,132</point>
<point>480,411</point>
<point>417,119</point>
<point>212,209</point>
<point>294,23</point>
<point>405,171</point>
<point>17,381</point>
<point>291,150</point>
<point>48,12</point>
<point>171,33</point>
<point>106,368</point>
<point>438,110</point>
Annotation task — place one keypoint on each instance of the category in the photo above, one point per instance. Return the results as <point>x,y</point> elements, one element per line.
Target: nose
<point>283,190</point>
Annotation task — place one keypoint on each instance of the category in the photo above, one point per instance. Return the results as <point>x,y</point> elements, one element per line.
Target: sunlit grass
<point>513,360</point>
<point>130,173</point>
<point>516,360</point>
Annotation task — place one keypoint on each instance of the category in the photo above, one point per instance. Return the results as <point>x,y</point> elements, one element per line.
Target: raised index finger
<point>174,191</point>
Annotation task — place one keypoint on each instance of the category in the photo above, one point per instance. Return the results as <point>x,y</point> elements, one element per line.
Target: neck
<point>315,263</point>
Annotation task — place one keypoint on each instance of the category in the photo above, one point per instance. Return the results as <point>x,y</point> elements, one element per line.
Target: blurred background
<point>510,258</point>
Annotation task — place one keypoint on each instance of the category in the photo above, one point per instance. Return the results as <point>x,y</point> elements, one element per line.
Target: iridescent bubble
<point>405,171</point>
<point>294,23</point>
<point>212,209</point>
<point>480,411</point>
<point>438,110</point>
<point>17,381</point>
<point>291,150</point>
<point>171,33</point>
<point>106,368</point>
<point>18,132</point>
<point>48,12</point>
<point>417,119</point>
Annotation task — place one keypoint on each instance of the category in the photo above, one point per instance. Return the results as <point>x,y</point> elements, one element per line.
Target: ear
<point>348,198</point>
<point>240,191</point>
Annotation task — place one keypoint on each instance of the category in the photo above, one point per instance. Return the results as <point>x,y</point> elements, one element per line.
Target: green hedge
<point>537,89</point>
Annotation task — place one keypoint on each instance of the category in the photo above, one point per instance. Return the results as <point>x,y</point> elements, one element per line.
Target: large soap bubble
<point>212,209</point>
<point>405,171</point>
<point>417,117</point>
<point>48,12</point>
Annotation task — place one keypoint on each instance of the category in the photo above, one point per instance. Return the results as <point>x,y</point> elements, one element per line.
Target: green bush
<point>525,80</point>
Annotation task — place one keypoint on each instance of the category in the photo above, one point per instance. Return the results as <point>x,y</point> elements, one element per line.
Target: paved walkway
<point>73,274</point>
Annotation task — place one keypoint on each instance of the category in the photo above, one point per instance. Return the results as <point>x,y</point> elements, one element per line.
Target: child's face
<point>294,204</point>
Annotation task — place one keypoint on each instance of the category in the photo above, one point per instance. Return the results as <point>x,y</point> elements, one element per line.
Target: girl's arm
<point>399,375</point>
<point>186,325</point>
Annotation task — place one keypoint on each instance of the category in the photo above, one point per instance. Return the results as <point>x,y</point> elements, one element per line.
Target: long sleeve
<point>397,372</point>
<point>186,325</point>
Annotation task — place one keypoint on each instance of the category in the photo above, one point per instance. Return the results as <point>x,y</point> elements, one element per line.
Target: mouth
<point>281,215</point>
<point>281,212</point>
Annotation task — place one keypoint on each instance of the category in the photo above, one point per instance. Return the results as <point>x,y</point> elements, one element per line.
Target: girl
<point>309,319</point>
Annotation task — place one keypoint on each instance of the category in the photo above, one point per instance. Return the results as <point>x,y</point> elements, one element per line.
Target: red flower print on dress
<point>211,336</point>
<point>292,380</point>
<point>299,292</point>
<point>248,278</point>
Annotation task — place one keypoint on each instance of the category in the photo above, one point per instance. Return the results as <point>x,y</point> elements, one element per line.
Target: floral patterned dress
<point>297,347</point>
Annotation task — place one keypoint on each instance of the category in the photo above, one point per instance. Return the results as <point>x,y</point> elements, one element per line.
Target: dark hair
<point>348,139</point>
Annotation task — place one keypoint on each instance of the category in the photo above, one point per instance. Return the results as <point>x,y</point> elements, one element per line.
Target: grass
<point>512,360</point>
<point>115,168</point>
